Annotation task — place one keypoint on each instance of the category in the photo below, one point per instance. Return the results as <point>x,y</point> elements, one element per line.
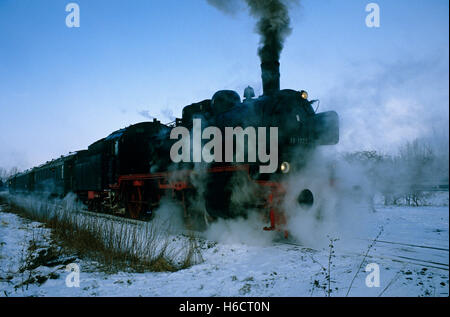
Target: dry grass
<point>117,244</point>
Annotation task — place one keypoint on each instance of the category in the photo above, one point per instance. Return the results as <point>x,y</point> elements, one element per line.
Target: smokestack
<point>273,26</point>
<point>270,74</point>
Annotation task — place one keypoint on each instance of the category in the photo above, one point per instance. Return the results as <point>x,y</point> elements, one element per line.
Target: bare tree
<point>5,174</point>
<point>2,173</point>
<point>13,170</point>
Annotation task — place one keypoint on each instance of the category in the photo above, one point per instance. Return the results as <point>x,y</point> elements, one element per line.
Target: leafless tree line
<point>407,176</point>
<point>5,173</point>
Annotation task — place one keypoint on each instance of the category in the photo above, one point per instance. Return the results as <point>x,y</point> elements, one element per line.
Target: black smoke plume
<point>274,23</point>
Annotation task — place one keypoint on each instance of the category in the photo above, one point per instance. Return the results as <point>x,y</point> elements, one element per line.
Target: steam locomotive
<point>130,171</point>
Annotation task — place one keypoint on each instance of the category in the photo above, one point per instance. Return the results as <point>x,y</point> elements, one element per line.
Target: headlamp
<point>285,167</point>
<point>304,94</point>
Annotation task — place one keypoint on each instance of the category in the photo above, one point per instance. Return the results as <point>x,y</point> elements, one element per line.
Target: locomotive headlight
<point>285,167</point>
<point>304,94</point>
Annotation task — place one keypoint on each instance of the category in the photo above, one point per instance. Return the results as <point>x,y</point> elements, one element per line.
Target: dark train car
<point>127,151</point>
<point>134,150</point>
<point>22,182</point>
<point>68,173</point>
<point>11,181</point>
<point>55,178</point>
<point>88,171</point>
<point>138,148</point>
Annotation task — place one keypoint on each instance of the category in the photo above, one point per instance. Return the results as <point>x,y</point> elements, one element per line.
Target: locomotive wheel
<point>134,203</point>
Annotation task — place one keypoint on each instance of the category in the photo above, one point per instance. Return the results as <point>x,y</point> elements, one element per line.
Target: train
<point>130,171</point>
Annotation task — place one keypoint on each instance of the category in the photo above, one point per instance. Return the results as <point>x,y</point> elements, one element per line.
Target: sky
<point>62,88</point>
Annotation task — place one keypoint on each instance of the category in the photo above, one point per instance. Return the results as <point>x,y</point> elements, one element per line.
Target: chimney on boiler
<point>270,73</point>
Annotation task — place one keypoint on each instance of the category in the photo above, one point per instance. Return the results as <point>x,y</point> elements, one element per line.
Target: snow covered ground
<point>412,256</point>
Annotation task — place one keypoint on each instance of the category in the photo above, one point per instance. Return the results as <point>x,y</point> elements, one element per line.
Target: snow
<point>244,269</point>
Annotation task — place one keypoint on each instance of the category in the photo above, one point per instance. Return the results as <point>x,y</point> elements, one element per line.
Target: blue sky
<point>63,88</point>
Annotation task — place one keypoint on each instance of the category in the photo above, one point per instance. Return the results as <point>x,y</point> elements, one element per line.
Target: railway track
<point>394,258</point>
<point>408,260</point>
<point>405,252</point>
<point>112,217</point>
<point>412,245</point>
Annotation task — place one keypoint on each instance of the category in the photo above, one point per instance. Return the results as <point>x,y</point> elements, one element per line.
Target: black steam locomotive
<point>130,171</point>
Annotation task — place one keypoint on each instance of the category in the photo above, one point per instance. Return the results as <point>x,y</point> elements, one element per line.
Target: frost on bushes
<point>119,243</point>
